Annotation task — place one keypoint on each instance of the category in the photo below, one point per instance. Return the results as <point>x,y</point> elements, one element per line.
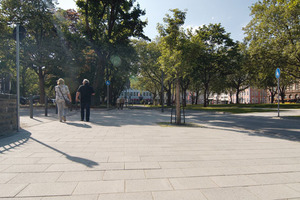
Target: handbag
<point>67,101</point>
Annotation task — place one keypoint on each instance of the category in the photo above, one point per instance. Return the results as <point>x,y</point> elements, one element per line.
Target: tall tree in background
<point>6,43</point>
<point>108,27</point>
<point>242,73</point>
<point>274,33</point>
<point>41,47</point>
<point>212,57</point>
<point>7,50</point>
<point>171,50</point>
<point>80,60</point>
<point>149,72</point>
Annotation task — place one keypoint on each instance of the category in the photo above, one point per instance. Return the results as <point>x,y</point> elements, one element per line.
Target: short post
<point>277,75</point>
<point>162,91</point>
<point>31,106</point>
<point>107,100</point>
<point>46,105</point>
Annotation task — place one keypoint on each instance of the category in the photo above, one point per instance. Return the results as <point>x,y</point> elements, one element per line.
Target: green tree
<point>171,50</point>
<point>212,56</point>
<point>242,73</point>
<point>274,33</point>
<point>149,72</point>
<point>41,49</point>
<point>108,26</point>
<point>78,59</point>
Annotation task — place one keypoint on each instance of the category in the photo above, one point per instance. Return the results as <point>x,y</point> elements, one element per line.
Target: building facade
<point>136,96</point>
<point>252,95</point>
<point>292,93</point>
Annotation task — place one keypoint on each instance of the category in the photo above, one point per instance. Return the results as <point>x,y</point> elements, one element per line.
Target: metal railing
<point>175,116</point>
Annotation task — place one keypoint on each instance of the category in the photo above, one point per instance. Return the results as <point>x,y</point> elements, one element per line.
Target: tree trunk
<point>41,86</point>
<point>184,97</point>
<point>169,94</point>
<point>282,95</point>
<point>197,96</point>
<point>154,98</point>
<point>272,93</point>
<point>193,98</point>
<point>230,95</point>
<point>205,95</point>
<point>178,111</point>
<point>272,97</point>
<point>98,79</point>
<point>237,96</point>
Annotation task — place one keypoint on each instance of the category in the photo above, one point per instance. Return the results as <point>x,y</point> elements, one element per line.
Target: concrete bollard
<point>46,105</point>
<point>31,106</point>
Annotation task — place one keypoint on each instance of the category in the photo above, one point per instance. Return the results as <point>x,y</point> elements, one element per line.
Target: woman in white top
<point>62,92</point>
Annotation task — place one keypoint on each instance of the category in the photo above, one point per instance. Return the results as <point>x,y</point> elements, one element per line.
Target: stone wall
<point>8,114</point>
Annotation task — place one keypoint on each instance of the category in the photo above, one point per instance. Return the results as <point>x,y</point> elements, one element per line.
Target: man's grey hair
<point>85,81</point>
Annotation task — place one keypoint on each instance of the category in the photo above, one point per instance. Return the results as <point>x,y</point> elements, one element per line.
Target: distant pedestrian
<point>122,101</point>
<point>118,103</point>
<point>62,94</point>
<point>84,92</point>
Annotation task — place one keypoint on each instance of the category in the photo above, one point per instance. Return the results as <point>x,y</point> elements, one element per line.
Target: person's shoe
<point>64,118</point>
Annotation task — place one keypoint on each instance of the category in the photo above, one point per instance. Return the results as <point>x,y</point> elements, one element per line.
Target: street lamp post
<point>19,33</point>
<point>18,74</point>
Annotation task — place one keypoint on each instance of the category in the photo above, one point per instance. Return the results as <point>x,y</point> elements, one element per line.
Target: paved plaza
<point>126,155</point>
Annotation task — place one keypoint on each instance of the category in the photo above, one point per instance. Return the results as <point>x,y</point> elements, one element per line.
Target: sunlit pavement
<point>125,154</point>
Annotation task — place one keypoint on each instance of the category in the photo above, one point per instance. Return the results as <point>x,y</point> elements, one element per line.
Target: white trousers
<point>62,109</point>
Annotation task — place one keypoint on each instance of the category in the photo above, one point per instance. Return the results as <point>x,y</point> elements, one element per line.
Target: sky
<point>232,14</point>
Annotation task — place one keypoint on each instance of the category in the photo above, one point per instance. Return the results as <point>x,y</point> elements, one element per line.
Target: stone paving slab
<point>126,155</point>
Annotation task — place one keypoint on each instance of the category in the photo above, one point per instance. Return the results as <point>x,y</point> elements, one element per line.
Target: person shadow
<point>78,125</point>
<point>84,161</point>
<point>21,138</point>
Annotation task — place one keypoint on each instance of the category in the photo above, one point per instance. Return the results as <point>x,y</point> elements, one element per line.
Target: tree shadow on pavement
<point>281,128</point>
<point>126,117</point>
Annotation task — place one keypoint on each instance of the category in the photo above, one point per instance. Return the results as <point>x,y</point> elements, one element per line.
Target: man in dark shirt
<point>85,91</point>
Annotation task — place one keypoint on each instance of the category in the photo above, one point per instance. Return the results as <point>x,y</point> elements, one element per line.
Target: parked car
<point>36,99</point>
<point>23,100</point>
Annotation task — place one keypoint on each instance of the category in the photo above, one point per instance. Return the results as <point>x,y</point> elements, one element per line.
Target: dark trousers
<point>87,107</point>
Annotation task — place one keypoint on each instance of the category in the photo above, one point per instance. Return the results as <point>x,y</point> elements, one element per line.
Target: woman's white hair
<point>60,81</point>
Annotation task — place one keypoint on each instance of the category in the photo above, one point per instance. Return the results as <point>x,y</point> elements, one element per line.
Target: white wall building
<point>136,96</point>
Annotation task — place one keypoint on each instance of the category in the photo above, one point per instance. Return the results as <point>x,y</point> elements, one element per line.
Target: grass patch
<point>282,105</point>
<point>293,117</point>
<point>238,108</point>
<point>168,124</point>
<point>228,109</point>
